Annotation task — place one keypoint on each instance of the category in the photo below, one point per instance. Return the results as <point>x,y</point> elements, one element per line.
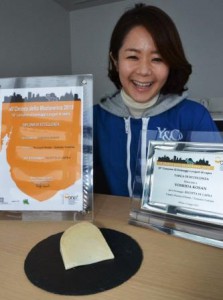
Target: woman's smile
<point>139,84</point>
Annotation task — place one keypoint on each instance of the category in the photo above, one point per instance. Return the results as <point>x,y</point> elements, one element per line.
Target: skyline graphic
<point>179,160</point>
<point>32,97</point>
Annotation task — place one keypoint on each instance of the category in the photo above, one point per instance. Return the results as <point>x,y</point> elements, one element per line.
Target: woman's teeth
<point>142,84</point>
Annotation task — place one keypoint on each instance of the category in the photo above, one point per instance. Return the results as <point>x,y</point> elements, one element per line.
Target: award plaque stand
<point>181,194</point>
<point>46,148</point>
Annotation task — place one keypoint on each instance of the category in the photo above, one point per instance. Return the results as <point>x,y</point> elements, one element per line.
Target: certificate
<point>189,179</point>
<point>182,191</point>
<point>185,177</point>
<point>41,146</point>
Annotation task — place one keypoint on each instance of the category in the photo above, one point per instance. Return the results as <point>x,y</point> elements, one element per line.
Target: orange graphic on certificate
<point>44,144</point>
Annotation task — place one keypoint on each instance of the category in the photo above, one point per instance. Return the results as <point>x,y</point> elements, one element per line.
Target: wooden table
<point>172,268</point>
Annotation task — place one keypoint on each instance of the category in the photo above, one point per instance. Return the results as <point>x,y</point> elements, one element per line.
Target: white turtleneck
<point>136,109</point>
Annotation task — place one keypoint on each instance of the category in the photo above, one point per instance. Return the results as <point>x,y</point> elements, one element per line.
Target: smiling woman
<point>149,68</point>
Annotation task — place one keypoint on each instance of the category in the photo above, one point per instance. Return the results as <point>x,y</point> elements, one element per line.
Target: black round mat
<point>44,266</point>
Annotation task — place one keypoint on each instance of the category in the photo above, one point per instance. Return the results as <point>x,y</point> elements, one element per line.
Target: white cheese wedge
<point>83,244</point>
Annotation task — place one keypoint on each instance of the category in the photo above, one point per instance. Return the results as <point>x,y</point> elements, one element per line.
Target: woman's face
<point>141,69</point>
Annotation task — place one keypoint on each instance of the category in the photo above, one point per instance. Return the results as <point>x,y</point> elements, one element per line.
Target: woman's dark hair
<point>166,37</point>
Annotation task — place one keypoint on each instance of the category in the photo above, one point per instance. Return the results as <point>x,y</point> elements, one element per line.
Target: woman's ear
<point>115,62</point>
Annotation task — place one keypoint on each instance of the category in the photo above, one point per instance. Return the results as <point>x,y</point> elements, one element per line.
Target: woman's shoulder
<point>112,105</point>
<point>191,106</point>
<point>191,103</point>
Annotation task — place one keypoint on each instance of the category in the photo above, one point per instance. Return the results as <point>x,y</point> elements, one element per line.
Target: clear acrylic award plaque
<point>182,191</point>
<point>46,148</point>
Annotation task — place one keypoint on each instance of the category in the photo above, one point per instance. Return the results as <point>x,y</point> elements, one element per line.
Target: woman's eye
<point>132,57</point>
<point>157,59</point>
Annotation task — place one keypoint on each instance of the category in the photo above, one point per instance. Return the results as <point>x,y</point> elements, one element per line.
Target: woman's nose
<point>144,67</point>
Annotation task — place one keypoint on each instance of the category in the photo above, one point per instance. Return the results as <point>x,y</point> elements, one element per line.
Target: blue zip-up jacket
<point>120,140</point>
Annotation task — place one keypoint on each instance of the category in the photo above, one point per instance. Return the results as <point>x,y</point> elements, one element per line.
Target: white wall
<point>38,37</point>
<point>35,38</point>
<point>200,23</point>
